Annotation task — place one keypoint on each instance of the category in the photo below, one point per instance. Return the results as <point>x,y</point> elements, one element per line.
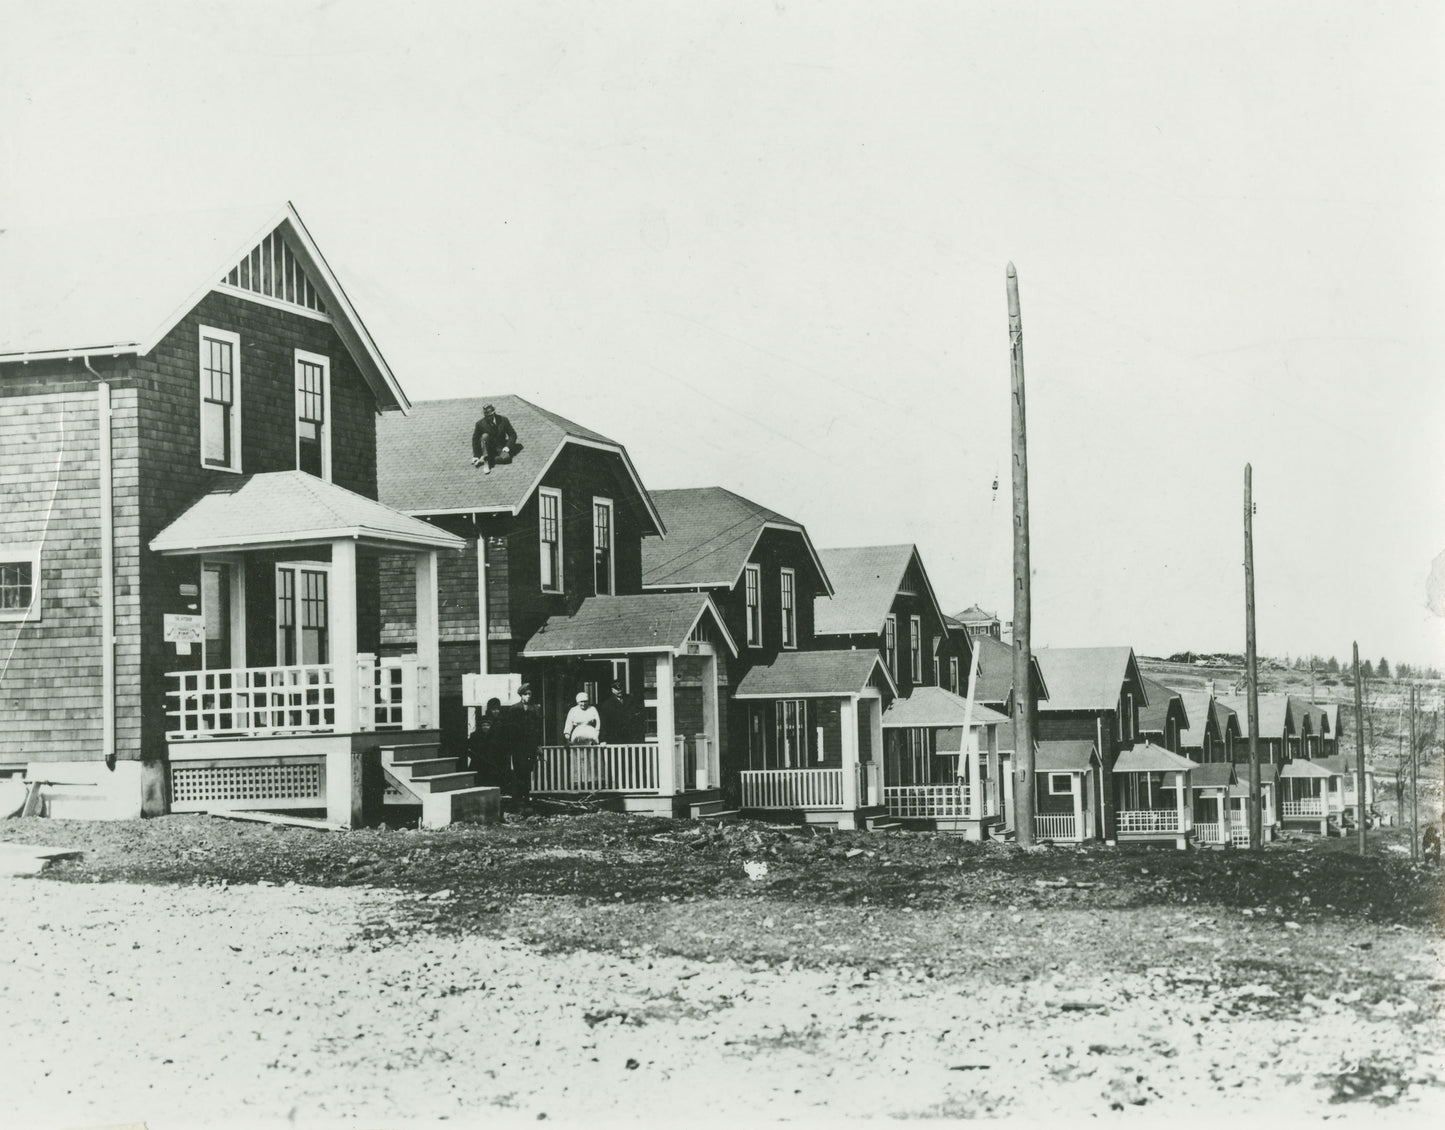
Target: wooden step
<point>728,814</point>
<point>443,782</point>
<point>410,751</point>
<point>431,767</point>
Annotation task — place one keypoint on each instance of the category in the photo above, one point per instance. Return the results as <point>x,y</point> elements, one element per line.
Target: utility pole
<point>1251,660</point>
<point>1414,785</point>
<point>1023,656</point>
<point>1359,754</point>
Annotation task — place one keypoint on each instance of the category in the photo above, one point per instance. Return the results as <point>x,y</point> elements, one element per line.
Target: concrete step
<point>718,816</point>
<point>443,782</point>
<point>705,807</point>
<point>431,767</point>
<point>410,751</point>
<point>883,823</point>
<point>477,804</point>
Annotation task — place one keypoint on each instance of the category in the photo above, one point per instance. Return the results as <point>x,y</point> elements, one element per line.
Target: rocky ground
<point>605,967</point>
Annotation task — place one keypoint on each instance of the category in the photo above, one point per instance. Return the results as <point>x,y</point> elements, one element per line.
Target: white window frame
<point>915,649</point>
<point>211,333</point>
<point>890,644</point>
<point>753,609</point>
<point>611,545</point>
<point>300,567</point>
<point>326,406</point>
<point>23,553</point>
<point>550,492</point>
<point>1055,778</point>
<point>953,675</point>
<point>789,617</point>
<point>236,611</point>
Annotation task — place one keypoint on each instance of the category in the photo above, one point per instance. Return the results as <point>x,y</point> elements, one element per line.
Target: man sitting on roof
<point>494,440</point>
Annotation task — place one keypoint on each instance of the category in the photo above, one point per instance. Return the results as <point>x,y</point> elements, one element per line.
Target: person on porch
<point>487,748</point>
<point>614,713</point>
<point>583,731</point>
<point>522,726</point>
<point>494,440</point>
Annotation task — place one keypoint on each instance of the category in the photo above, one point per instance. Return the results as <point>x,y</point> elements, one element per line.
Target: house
<point>192,532</point>
<point>993,687</point>
<point>1276,733</point>
<point>1211,784</point>
<point>1304,794</point>
<point>1069,774</point>
<point>1152,793</point>
<point>949,782</point>
<point>549,590</point>
<point>1268,806</point>
<point>764,575</point>
<point>1341,789</point>
<point>976,622</point>
<point>1165,718</point>
<point>1212,731</point>
<point>1095,693</point>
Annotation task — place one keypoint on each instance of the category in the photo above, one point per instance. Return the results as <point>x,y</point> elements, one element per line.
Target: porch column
<point>428,648</point>
<point>710,725</point>
<point>343,632</point>
<point>1182,787</point>
<point>975,782</point>
<point>666,725</point>
<point>848,723</point>
<point>1076,790</point>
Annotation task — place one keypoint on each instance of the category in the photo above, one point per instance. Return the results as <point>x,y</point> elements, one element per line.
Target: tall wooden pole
<point>1023,656</point>
<point>1414,784</point>
<point>1359,753</point>
<point>1256,818</point>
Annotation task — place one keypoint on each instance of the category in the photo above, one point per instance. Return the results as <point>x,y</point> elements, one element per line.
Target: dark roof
<point>1273,710</point>
<point>936,708</point>
<point>803,674</point>
<point>865,581</point>
<point>291,508</point>
<point>616,625</point>
<point>1153,717</point>
<point>996,671</point>
<point>1086,678</point>
<point>711,533</point>
<point>1197,705</point>
<point>1213,775</point>
<point>1072,756</point>
<point>424,459</point>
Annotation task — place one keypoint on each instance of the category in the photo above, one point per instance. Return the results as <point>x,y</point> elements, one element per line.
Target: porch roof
<point>936,708</point>
<point>1213,775</point>
<point>1338,765</point>
<point>283,508</point>
<point>815,674</point>
<point>1150,758</point>
<point>1300,767</point>
<point>628,625</point>
<point>1075,755</point>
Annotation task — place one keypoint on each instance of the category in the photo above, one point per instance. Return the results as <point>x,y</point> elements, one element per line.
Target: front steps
<point>447,794</point>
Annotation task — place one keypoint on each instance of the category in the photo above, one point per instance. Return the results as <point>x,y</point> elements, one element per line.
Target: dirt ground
<point>609,968</point>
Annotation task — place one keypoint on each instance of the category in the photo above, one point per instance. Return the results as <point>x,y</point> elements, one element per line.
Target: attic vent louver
<point>272,269</point>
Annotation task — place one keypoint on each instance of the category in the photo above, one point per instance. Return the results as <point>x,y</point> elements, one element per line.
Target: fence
<point>251,701</point>
<point>627,768</point>
<point>793,788</point>
<point>926,802</point>
<point>1141,821</point>
<point>1308,808</point>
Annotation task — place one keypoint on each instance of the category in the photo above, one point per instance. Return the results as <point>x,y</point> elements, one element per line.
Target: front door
<point>302,616</point>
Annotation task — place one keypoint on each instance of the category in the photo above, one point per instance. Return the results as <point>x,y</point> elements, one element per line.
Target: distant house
<point>1211,784</point>
<point>995,689</point>
<point>976,622</point>
<point>1213,730</point>
<point>192,531</point>
<point>1069,773</point>
<point>1165,719</point>
<point>1153,793</point>
<point>1276,732</point>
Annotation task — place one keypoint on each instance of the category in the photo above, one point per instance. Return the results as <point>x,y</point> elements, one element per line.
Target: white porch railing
<point>1209,832</point>
<point>393,693</point>
<point>870,783</point>
<point>1056,826</point>
<point>926,802</point>
<point>1307,808</point>
<point>1138,821</point>
<point>1239,833</point>
<point>792,788</point>
<point>607,768</point>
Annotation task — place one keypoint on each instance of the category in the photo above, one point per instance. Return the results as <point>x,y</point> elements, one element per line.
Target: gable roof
<point>290,508</point>
<point>119,286</point>
<point>1197,709</point>
<point>815,674</point>
<point>866,579</point>
<point>973,614</point>
<point>1213,775</point>
<point>711,533</point>
<point>996,671</point>
<point>424,459</point>
<point>1155,714</point>
<point>1070,755</point>
<point>1273,712</point>
<point>1087,678</point>
<point>622,625</point>
<point>937,708</point>
<point>1146,757</point>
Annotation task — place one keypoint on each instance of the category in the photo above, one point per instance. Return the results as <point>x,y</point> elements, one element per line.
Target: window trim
<point>890,644</point>
<point>550,492</point>
<point>299,567</point>
<point>599,501</point>
<point>753,609</point>
<point>17,553</point>
<point>236,609</point>
<point>1067,790</point>
<point>326,406</point>
<point>915,649</point>
<point>205,333</point>
<point>953,675</point>
<point>789,612</point>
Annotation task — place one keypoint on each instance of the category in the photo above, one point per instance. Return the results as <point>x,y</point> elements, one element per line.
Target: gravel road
<point>244,1004</point>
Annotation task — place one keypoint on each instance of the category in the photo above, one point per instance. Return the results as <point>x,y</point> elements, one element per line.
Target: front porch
<point>1151,796</point>
<point>1066,775</point>
<point>1213,817</point>
<point>1304,795</point>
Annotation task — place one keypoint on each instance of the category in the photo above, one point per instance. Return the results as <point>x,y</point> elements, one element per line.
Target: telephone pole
<point>1414,784</point>
<point>1023,656</point>
<point>1256,831</point>
<point>1359,753</point>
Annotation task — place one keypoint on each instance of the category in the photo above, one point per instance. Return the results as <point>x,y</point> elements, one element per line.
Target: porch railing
<point>610,768</point>
<point>1209,832</point>
<point>1139,821</point>
<point>926,802</point>
<point>792,788</point>
<point>1239,833</point>
<point>1056,826</point>
<point>1309,807</point>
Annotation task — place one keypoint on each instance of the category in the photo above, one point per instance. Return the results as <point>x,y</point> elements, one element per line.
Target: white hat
<point>581,696</point>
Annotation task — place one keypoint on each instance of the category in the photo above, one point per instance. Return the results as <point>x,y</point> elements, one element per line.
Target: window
<point>915,649</point>
<point>216,610</point>
<point>313,430</point>
<point>549,511</point>
<point>603,575</point>
<point>788,582</point>
<point>621,675</point>
<point>302,623</point>
<point>953,676</point>
<point>753,594</point>
<point>890,644</point>
<point>1059,785</point>
<point>19,582</point>
<point>220,399</point>
<point>793,733</point>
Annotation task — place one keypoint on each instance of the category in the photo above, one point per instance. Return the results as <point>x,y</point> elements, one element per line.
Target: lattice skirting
<point>288,784</point>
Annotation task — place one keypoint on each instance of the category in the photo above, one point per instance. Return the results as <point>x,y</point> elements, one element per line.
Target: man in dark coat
<point>524,736</point>
<point>494,440</point>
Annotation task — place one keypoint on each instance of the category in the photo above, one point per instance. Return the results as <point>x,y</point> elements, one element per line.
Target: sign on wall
<point>184,630</point>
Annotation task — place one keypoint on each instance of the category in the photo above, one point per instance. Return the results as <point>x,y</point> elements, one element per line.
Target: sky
<point>764,246</point>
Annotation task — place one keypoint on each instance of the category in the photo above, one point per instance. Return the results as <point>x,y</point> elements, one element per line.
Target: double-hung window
<point>793,733</point>
<point>313,401</point>
<point>915,649</point>
<point>549,533</point>
<point>603,567</point>
<point>303,628</point>
<point>753,599</point>
<point>220,377</point>
<point>953,676</point>
<point>890,644</point>
<point>19,582</point>
<point>787,582</point>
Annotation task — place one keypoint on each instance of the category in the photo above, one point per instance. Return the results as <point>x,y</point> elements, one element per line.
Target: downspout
<point>483,626</point>
<point>107,570</point>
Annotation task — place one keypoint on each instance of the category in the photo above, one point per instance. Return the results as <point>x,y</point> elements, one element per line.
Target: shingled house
<point>1212,730</point>
<point>191,535</point>
<point>550,590</point>
<point>1165,719</point>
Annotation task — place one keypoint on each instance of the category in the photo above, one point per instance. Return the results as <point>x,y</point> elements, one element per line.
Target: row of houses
<point>239,569</point>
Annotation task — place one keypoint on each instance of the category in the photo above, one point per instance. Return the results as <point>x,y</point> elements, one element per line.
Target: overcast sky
<point>763,245</point>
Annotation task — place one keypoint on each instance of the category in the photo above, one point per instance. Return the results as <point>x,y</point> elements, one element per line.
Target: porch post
<point>666,725</point>
<point>1076,789</point>
<point>848,723</point>
<point>975,782</point>
<point>710,725</point>
<point>428,647</point>
<point>342,611</point>
<point>1182,787</point>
